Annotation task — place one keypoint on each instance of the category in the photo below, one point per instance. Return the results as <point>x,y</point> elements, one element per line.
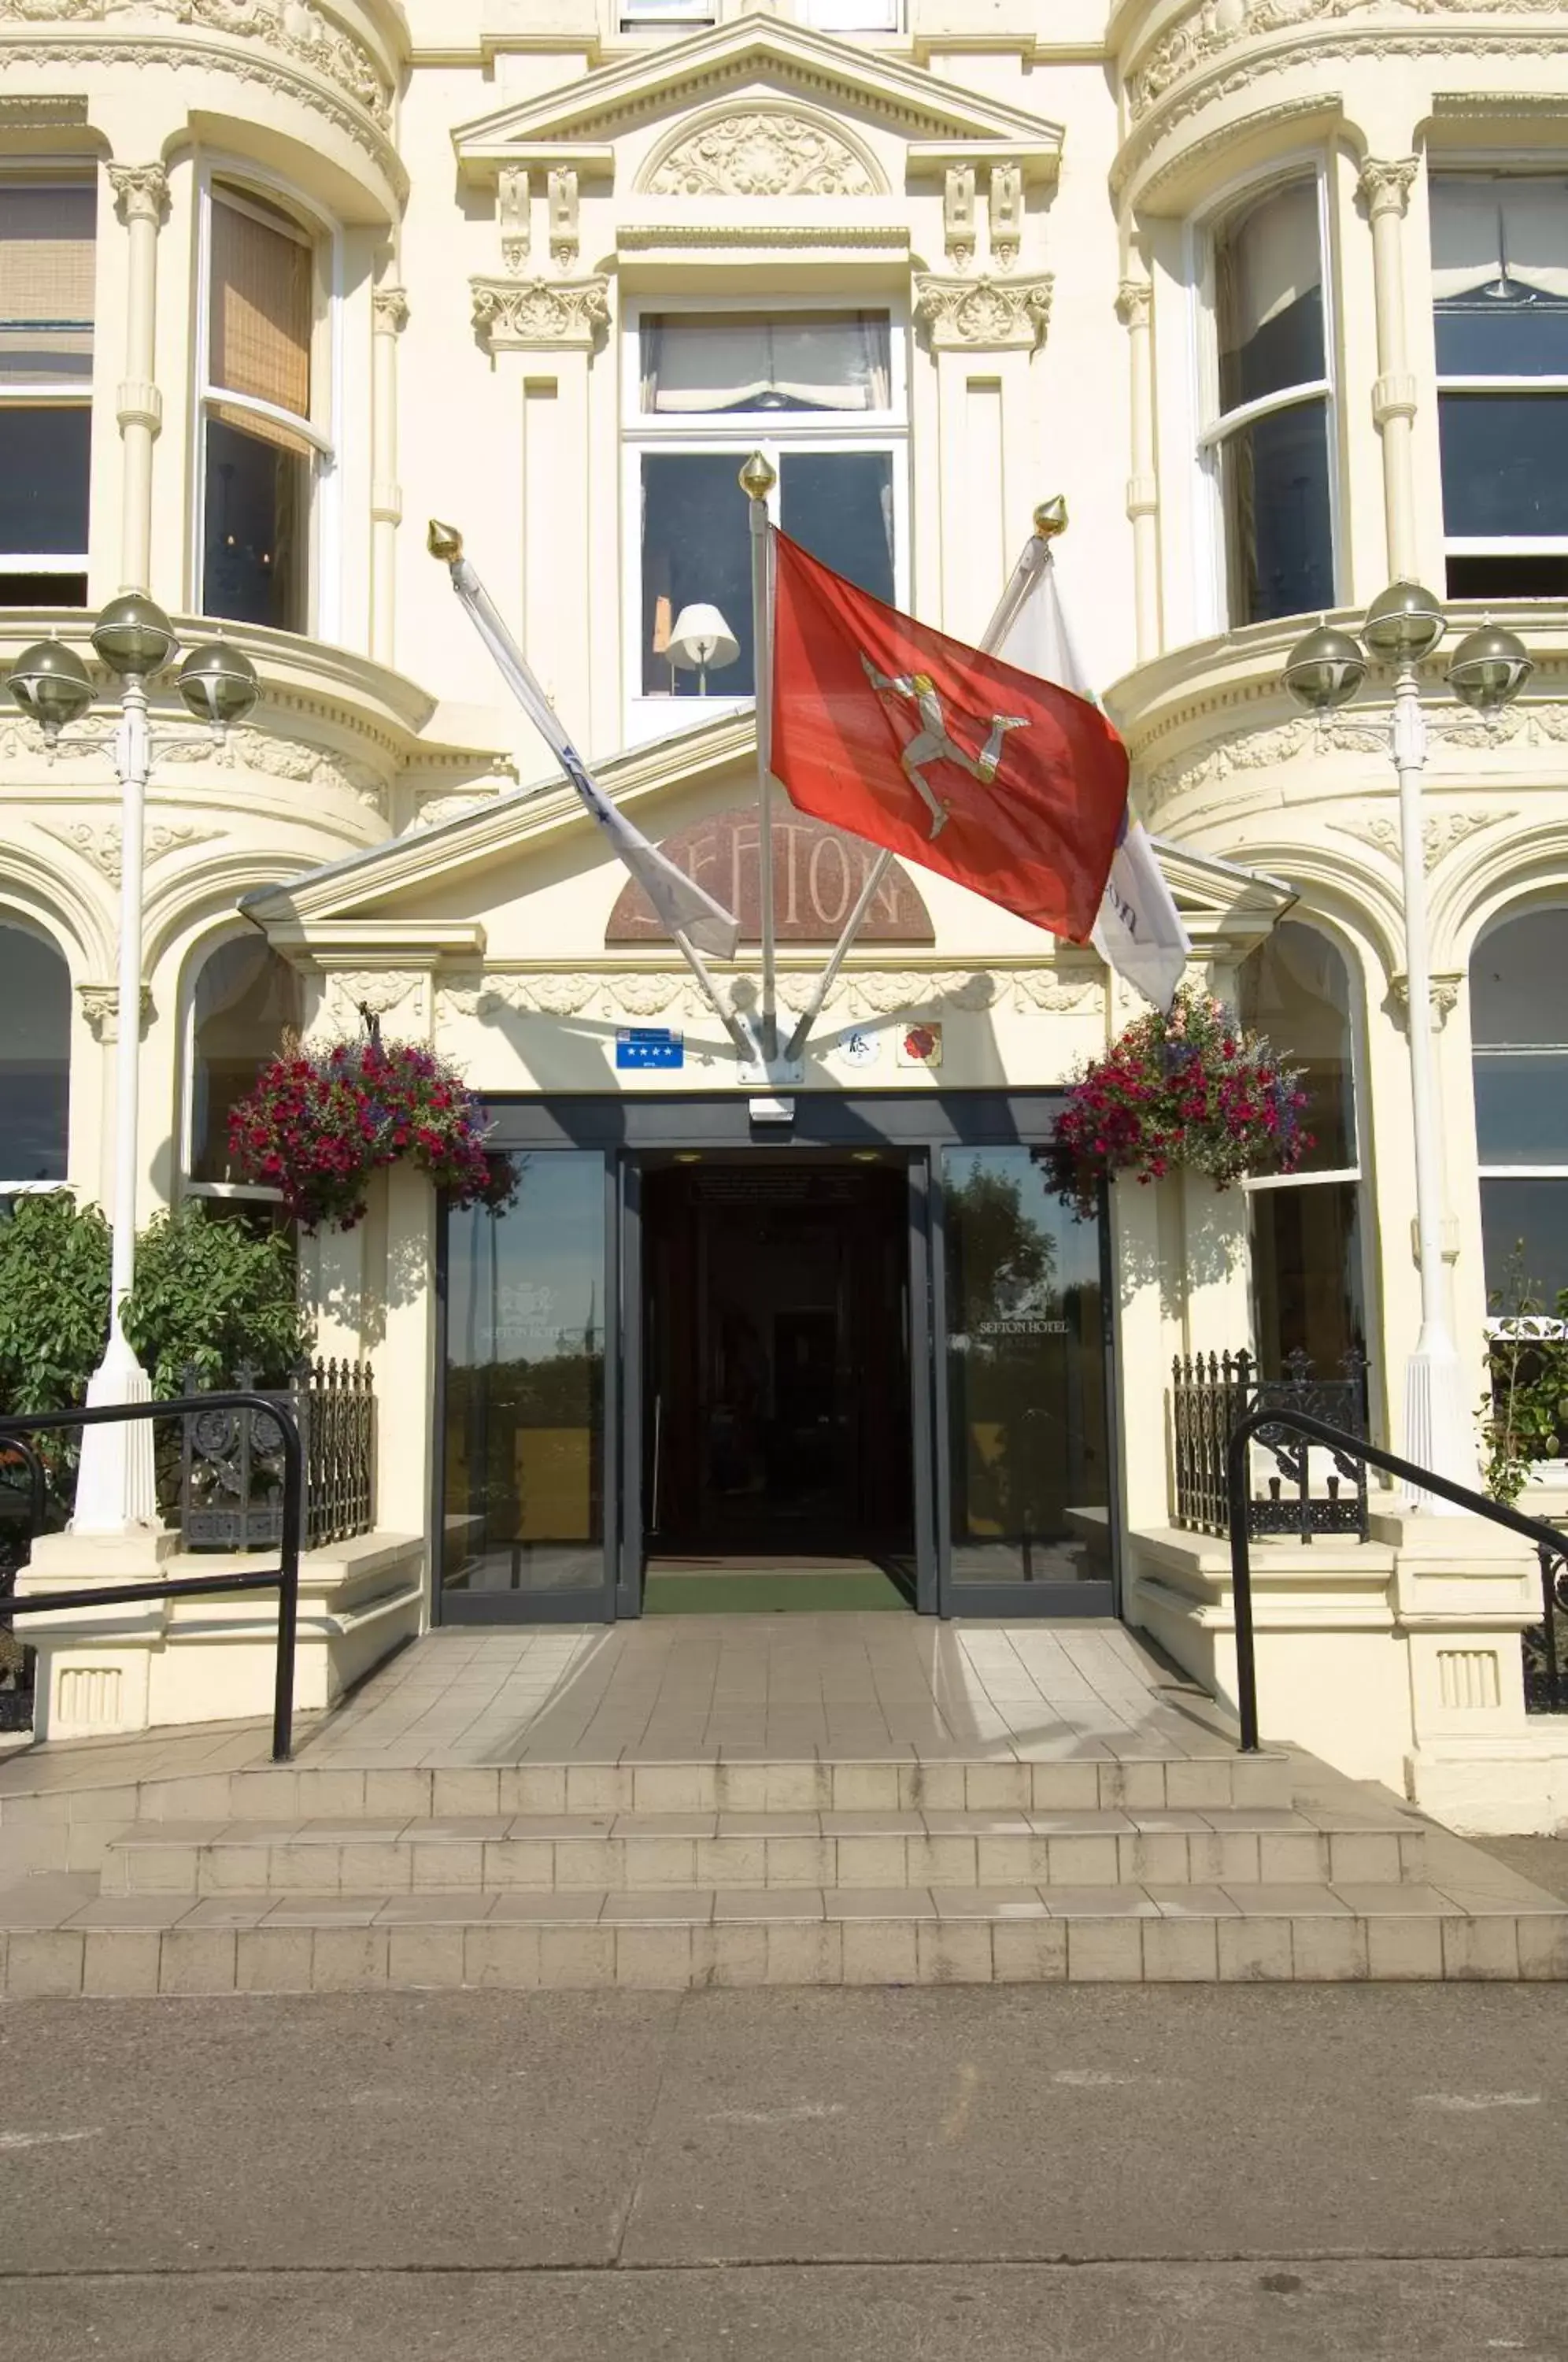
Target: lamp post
<point>1487,670</point>
<point>136,641</point>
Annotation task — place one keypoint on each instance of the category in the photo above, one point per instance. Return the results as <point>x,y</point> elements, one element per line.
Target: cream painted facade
<point>494,194</point>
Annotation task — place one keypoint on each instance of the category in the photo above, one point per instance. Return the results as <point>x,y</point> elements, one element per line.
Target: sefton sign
<point>817,873</point>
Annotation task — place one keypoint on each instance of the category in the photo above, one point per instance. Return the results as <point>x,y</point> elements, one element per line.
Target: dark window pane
<point>525,1397</point>
<point>1279,537</point>
<point>839,505</point>
<point>43,590</point>
<point>44,456</point>
<point>1505,464</point>
<point>696,552</point>
<point>258,504</point>
<point>1269,296</point>
<point>1518,575</point>
<point>1307,1290</point>
<point>245,996</point>
<point>1025,1375</point>
<point>35,1057</point>
<point>1296,988</point>
<point>1522,1107</point>
<point>1524,1229</point>
<point>1521,334</point>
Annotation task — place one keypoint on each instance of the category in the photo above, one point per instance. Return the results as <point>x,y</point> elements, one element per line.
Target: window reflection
<point>35,1057</point>
<point>247,998</point>
<point>1518,1029</point>
<point>524,1405</point>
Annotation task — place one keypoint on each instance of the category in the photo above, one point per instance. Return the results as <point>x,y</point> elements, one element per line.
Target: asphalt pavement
<point>918,2176</point>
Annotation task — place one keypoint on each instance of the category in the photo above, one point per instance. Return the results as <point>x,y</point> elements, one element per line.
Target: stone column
<point>1135,303</point>
<point>1385,189</point>
<point>141,191</point>
<point>389,308</point>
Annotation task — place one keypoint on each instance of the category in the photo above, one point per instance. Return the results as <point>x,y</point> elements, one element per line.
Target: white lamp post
<point>136,640</point>
<point>1488,670</point>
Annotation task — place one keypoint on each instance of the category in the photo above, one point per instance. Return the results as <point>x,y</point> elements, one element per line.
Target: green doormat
<point>731,1590</point>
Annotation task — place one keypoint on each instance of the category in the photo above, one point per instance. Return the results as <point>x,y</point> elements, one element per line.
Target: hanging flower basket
<point>1190,1088</point>
<point>317,1124</point>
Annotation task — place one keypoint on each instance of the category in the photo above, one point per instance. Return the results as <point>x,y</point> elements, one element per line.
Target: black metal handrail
<point>1552,1548</point>
<point>285,1576</point>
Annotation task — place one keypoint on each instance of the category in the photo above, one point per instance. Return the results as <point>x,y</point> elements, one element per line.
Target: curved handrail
<point>285,1576</point>
<point>1551,1545</point>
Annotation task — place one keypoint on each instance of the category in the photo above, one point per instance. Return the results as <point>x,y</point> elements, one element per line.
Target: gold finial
<point>756,478</point>
<point>445,542</point>
<point>1050,518</point>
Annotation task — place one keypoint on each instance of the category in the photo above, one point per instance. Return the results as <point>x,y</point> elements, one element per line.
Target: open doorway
<point>777,1406</point>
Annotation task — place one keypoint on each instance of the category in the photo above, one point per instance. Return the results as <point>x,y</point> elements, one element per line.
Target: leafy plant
<point>317,1124</point>
<point>1192,1088</point>
<point>54,1301</point>
<point>1524,1412</point>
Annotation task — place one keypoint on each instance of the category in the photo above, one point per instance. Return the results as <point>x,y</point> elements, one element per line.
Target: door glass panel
<point>1026,1375</point>
<point>525,1440</point>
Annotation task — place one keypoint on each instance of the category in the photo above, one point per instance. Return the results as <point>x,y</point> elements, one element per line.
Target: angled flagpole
<point>757,480</point>
<point>687,912</point>
<point>1050,519</point>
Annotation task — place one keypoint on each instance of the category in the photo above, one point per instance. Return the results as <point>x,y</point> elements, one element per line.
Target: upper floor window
<point>822,393</point>
<point>247,997</point>
<point>35,1058</point>
<point>1518,1032</point>
<point>1500,318</point>
<point>47,250</point>
<point>263,449</point>
<point>1269,405</point>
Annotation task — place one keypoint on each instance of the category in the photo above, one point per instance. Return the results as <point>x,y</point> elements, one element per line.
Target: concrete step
<point>671,1851</point>
<point>59,1939</point>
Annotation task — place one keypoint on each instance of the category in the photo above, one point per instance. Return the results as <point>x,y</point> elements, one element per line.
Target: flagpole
<point>1050,520</point>
<point>757,480</point>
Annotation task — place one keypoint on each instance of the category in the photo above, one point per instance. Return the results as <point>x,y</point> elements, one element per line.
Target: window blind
<point>699,361</point>
<point>1487,232</point>
<point>260,322</point>
<point>46,283</point>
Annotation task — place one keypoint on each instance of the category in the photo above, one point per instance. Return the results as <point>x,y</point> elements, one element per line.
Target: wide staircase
<point>676,1875</point>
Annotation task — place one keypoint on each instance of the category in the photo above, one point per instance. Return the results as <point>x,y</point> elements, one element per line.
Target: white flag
<point>682,905</point>
<point>1139,931</point>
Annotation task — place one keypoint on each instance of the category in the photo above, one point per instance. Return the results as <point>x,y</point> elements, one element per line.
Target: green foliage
<point>1524,1412</point>
<point>54,1301</point>
<point>214,1295</point>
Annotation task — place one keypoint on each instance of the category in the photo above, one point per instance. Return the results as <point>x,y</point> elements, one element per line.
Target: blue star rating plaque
<point>649,1045</point>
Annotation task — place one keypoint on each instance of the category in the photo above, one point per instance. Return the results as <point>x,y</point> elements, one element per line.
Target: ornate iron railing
<point>231,1467</point>
<point>1210,1396</point>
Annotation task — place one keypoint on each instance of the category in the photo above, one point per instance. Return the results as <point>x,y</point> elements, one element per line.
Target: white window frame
<point>66,173</point>
<point>1214,427</point>
<point>248,1192</point>
<point>711,433</point>
<point>322,238</point>
<point>1538,168</point>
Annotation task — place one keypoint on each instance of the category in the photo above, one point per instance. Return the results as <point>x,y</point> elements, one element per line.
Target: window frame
<point>22,923</point>
<point>225,180</point>
<point>247,1192</point>
<point>1538,167</point>
<point>62,172</point>
<point>1496,1324</point>
<point>1213,427</point>
<point>707,434</point>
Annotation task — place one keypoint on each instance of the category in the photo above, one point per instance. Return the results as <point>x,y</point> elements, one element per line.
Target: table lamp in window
<point>701,642</point>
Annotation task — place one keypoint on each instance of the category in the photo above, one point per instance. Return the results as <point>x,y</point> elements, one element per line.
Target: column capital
<point>389,309</point>
<point>1135,302</point>
<point>141,190</point>
<point>1386,186</point>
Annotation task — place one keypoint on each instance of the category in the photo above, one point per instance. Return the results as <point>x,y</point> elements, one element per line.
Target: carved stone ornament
<point>285,758</point>
<point>352,990</point>
<point>101,1008</point>
<point>1444,1001</point>
<point>984,314</point>
<point>141,190</point>
<point>1527,724</point>
<point>294,29</point>
<point>1385,188</point>
<point>958,214</point>
<point>389,308</point>
<point>1441,831</point>
<point>514,200</point>
<point>1135,302</point>
<point>562,188</point>
<point>1006,213</point>
<point>102,846</point>
<point>761,154</point>
<point>523,314</point>
<point>670,993</point>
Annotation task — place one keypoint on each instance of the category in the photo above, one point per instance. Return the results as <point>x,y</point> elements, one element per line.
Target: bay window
<point>822,393</point>
<point>47,253</point>
<point>1518,1032</point>
<point>1500,321</point>
<point>1268,441</point>
<point>264,447</point>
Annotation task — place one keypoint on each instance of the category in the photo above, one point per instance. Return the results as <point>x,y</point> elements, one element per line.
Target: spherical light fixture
<point>218,683</point>
<point>1324,669</point>
<point>1403,624</point>
<point>1489,667</point>
<point>134,637</point>
<point>49,683</point>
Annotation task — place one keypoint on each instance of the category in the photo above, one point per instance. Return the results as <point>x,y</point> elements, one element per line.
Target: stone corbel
<point>514,198</point>
<point>101,1008</point>
<point>529,315</point>
<point>1445,991</point>
<point>141,191</point>
<point>1386,187</point>
<point>958,214</point>
<point>1006,210</point>
<point>563,216</point>
<point>984,314</point>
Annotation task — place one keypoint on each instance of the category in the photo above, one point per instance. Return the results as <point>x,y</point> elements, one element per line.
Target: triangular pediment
<point>580,124</point>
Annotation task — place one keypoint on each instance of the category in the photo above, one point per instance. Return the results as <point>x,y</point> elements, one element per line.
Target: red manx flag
<point>1009,785</point>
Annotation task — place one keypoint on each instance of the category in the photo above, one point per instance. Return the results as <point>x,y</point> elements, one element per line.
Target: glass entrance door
<point>1025,1492</point>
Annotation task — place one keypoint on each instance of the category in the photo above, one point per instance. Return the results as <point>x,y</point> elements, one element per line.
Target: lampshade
<point>134,637</point>
<point>49,683</point>
<point>701,641</point>
<point>1324,669</point>
<point>218,683</point>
